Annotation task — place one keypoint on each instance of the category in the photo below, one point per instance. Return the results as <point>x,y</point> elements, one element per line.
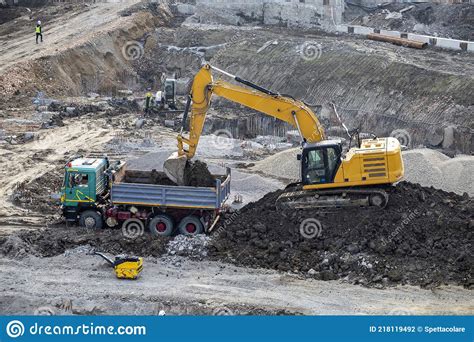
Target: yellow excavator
<point>330,176</point>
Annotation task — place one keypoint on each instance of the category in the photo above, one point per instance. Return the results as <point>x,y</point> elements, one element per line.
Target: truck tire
<point>191,225</point>
<point>91,219</point>
<point>161,225</point>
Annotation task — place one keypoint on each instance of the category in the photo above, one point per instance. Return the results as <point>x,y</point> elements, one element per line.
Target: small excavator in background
<point>330,176</point>
<point>165,99</point>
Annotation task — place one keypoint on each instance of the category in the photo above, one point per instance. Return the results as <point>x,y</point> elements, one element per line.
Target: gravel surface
<point>280,165</point>
<point>432,168</point>
<point>82,284</point>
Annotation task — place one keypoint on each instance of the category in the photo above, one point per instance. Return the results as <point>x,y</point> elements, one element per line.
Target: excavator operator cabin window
<point>332,161</point>
<point>321,165</point>
<point>315,167</point>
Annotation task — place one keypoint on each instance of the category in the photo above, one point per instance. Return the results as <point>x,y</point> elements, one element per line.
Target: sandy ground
<point>75,28</point>
<point>32,160</point>
<point>188,287</point>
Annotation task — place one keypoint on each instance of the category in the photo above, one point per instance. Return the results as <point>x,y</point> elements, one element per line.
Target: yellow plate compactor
<point>125,267</point>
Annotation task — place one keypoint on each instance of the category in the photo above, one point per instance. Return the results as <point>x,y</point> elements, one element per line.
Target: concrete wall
<point>445,43</point>
<point>299,13</point>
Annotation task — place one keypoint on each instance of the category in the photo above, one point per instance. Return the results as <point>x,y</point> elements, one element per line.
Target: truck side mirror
<point>298,156</point>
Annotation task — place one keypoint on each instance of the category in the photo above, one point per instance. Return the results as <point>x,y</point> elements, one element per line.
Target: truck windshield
<point>78,180</point>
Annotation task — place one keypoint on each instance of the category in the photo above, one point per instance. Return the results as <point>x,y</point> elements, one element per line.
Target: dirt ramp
<point>424,238</point>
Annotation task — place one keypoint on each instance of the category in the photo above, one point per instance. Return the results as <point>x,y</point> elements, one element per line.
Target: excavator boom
<point>284,108</point>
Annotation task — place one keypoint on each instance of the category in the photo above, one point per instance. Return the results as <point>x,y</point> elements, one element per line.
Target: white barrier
<point>445,43</point>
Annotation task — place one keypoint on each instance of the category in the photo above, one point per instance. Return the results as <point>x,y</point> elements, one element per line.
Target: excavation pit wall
<point>376,87</point>
<point>294,13</point>
<point>104,64</point>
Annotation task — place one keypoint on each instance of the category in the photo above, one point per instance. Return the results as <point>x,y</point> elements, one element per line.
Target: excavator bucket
<point>174,168</point>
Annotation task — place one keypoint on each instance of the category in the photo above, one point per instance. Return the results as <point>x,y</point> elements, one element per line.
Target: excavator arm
<point>292,111</point>
<point>285,108</point>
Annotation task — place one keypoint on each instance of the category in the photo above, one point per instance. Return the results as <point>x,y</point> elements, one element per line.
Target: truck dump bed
<point>154,195</point>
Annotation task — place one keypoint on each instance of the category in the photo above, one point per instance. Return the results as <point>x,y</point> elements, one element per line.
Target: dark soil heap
<point>56,240</point>
<point>197,174</point>
<point>424,237</point>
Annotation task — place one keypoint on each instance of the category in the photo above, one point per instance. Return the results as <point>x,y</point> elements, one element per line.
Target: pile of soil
<point>424,237</point>
<point>57,240</point>
<point>147,177</point>
<point>7,14</point>
<point>197,174</point>
<point>37,195</point>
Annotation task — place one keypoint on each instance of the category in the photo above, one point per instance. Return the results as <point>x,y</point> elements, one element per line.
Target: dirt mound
<point>8,14</point>
<point>430,167</point>
<point>37,195</point>
<point>424,237</point>
<point>55,241</point>
<point>197,174</point>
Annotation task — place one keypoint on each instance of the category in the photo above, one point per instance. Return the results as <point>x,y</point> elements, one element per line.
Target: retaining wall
<point>309,13</point>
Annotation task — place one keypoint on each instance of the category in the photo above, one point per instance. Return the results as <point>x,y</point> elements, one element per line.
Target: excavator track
<point>333,199</point>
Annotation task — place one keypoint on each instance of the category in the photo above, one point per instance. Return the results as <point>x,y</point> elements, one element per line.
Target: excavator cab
<point>320,162</point>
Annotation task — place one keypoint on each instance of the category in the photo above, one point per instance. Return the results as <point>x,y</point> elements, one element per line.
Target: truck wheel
<point>90,219</point>
<point>161,225</point>
<point>191,225</point>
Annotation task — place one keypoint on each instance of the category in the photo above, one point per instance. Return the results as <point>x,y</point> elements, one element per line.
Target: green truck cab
<point>85,183</point>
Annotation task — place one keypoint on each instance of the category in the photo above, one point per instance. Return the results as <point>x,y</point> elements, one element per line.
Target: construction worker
<point>148,99</point>
<point>39,32</point>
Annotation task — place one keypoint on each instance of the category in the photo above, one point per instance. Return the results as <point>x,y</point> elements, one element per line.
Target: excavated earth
<point>424,237</point>
<point>197,174</point>
<point>54,241</point>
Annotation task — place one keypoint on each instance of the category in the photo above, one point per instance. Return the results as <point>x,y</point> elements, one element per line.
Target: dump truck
<point>98,193</point>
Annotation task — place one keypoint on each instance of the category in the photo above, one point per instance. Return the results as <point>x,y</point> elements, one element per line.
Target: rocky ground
<point>443,20</point>
<point>80,284</point>
<point>259,260</point>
